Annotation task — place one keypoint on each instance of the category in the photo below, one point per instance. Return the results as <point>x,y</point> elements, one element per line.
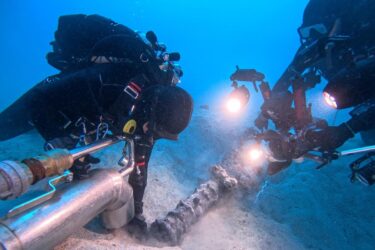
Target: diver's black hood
<point>352,86</point>
<point>168,109</point>
<point>324,11</point>
<point>356,16</point>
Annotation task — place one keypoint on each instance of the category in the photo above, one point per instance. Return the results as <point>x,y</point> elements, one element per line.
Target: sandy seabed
<point>300,208</point>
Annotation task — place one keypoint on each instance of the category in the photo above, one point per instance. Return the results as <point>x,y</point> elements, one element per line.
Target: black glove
<point>282,149</point>
<point>329,138</point>
<point>280,145</point>
<point>137,227</point>
<point>276,167</point>
<point>279,109</point>
<point>261,122</point>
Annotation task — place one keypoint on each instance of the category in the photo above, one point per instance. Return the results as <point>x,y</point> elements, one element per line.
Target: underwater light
<point>253,158</point>
<point>330,100</point>
<point>239,97</point>
<point>234,105</point>
<point>255,154</point>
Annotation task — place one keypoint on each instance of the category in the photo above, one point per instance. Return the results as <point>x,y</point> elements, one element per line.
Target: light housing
<point>353,85</point>
<point>238,99</point>
<point>330,100</point>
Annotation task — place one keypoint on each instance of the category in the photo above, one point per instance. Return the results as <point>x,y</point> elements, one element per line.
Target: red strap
<point>141,164</point>
<point>136,86</point>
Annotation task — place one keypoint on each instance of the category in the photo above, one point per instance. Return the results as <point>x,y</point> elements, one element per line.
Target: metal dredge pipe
<point>73,206</point>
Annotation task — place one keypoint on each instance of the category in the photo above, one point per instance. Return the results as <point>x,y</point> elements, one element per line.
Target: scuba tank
<point>77,35</point>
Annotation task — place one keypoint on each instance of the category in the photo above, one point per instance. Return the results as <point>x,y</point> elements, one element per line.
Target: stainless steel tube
<point>91,148</point>
<point>358,150</point>
<point>15,179</point>
<point>73,206</point>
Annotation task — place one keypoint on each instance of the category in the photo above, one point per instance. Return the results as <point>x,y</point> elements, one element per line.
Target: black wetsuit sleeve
<point>138,178</point>
<point>51,104</point>
<point>37,108</point>
<point>59,100</point>
<point>15,119</point>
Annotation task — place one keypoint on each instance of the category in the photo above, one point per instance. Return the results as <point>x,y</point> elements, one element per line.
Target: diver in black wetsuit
<point>338,43</point>
<point>116,83</point>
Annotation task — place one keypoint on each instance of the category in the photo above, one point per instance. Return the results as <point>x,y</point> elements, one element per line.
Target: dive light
<point>238,99</point>
<point>351,86</point>
<point>240,96</point>
<point>330,100</point>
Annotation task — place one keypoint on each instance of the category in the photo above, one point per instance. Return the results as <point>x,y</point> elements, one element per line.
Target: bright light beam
<point>255,154</point>
<point>234,105</point>
<point>330,100</point>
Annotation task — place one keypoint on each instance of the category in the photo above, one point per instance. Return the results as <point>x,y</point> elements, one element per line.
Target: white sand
<point>301,208</point>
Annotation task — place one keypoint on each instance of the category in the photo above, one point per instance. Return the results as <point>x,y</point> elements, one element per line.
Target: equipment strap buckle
<point>133,90</point>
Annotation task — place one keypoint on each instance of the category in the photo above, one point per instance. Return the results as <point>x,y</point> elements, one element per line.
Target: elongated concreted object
<point>177,222</point>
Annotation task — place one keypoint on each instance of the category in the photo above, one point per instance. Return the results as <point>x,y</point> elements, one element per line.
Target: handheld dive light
<point>238,99</point>
<point>240,96</point>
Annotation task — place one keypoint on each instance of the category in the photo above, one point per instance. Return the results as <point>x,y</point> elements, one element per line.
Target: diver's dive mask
<point>309,31</point>
<point>312,33</point>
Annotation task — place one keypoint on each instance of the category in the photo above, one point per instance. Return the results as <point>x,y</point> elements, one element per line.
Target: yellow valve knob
<point>129,127</point>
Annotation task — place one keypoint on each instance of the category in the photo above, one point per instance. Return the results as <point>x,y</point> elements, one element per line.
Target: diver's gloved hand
<point>261,122</point>
<point>278,109</point>
<point>89,159</point>
<point>80,170</point>
<point>137,227</point>
<point>276,167</point>
<point>82,166</point>
<point>280,145</point>
<point>281,148</point>
<point>329,138</point>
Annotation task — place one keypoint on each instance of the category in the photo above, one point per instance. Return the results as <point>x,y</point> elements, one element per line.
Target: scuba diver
<point>338,44</point>
<point>111,81</point>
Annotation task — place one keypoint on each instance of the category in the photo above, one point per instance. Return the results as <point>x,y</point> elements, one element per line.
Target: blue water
<point>212,36</point>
